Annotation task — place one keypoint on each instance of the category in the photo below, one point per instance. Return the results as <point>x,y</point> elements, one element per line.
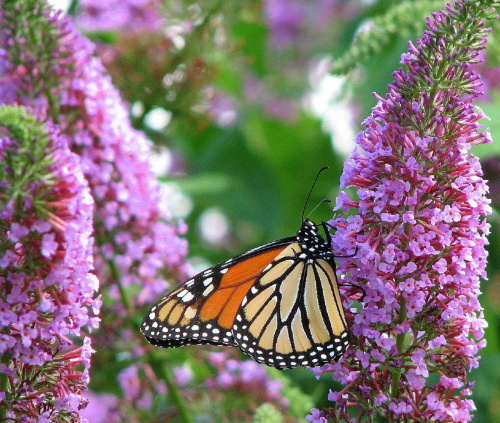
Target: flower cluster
<point>138,248</point>
<point>419,226</point>
<point>131,226</point>
<point>46,288</point>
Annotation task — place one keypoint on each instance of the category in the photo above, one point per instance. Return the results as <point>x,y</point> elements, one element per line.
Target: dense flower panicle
<point>138,247</point>
<point>137,243</point>
<point>132,228</point>
<point>420,229</point>
<point>47,289</point>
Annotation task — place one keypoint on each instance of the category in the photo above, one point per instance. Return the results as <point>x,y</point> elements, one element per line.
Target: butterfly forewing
<point>202,310</point>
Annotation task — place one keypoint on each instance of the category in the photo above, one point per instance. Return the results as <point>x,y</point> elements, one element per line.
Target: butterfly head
<point>310,241</point>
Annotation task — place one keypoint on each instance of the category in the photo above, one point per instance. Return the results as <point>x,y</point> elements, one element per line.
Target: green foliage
<point>300,402</point>
<point>401,22</point>
<point>28,161</point>
<point>39,54</point>
<point>493,53</point>
<point>267,413</point>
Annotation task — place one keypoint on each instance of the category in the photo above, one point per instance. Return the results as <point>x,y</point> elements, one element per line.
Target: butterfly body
<point>279,303</point>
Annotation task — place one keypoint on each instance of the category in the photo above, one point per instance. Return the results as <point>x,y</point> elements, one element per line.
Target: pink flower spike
<point>46,288</point>
<point>421,203</point>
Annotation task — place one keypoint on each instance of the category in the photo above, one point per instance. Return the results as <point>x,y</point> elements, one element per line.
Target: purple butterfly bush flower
<point>47,290</point>
<point>419,226</point>
<point>316,416</point>
<point>132,227</point>
<point>138,247</point>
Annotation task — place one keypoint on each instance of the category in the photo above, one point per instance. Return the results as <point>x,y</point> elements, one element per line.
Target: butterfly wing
<point>203,309</point>
<point>293,313</point>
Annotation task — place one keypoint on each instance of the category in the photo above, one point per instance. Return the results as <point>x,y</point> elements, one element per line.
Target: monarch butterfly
<point>279,303</point>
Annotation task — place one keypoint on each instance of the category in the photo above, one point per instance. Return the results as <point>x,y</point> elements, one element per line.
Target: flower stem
<point>400,338</point>
<point>4,384</point>
<point>160,369</point>
<point>164,373</point>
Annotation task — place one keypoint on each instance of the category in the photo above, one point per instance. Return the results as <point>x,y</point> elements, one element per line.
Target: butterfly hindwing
<point>293,314</point>
<point>202,310</point>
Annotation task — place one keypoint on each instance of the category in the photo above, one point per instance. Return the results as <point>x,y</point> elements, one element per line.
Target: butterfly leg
<point>326,225</point>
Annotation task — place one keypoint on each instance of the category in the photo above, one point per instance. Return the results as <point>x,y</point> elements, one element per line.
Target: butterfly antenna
<point>319,204</point>
<point>310,191</point>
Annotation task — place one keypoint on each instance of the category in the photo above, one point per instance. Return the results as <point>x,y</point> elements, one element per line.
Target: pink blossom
<point>35,315</point>
<point>420,273</point>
